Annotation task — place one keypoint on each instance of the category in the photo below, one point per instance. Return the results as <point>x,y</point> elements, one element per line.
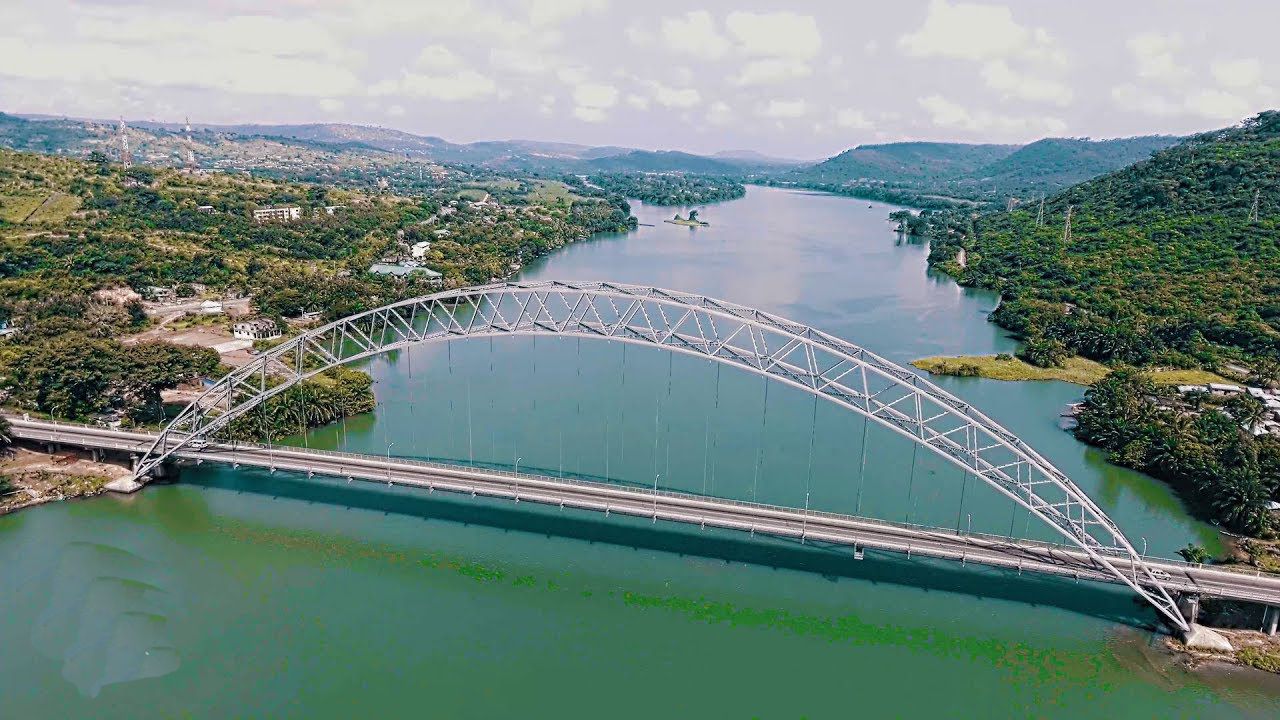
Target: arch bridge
<point>758,342</point>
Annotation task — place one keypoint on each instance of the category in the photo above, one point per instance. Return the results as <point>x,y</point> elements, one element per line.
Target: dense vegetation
<point>72,375</point>
<point>1165,264</point>
<point>666,189</point>
<point>1199,445</point>
<point>76,235</point>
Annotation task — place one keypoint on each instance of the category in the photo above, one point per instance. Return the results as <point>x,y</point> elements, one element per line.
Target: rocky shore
<point>29,478</point>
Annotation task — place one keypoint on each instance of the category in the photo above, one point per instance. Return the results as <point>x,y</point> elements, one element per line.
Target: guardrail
<point>401,461</point>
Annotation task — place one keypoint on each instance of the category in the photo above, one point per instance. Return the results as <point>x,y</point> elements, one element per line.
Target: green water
<point>239,593</point>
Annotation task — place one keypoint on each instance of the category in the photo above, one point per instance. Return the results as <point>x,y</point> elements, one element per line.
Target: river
<point>242,593</point>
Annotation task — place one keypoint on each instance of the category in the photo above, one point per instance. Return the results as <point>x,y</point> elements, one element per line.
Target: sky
<point>801,79</point>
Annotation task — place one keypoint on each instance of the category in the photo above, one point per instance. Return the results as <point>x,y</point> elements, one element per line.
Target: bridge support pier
<point>1189,606</point>
<point>1270,619</point>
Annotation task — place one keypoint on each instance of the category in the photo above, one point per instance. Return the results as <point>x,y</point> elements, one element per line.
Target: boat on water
<point>691,221</point>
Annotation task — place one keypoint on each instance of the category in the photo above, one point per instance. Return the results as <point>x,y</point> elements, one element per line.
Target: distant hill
<point>45,134</point>
<point>907,161</point>
<point>664,161</point>
<point>1054,163</point>
<point>935,174</point>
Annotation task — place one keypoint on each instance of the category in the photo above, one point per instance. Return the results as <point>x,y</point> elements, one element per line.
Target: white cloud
<point>589,114</point>
<point>331,105</point>
<point>999,76</point>
<point>593,100</point>
<point>1243,73</point>
<point>638,102</point>
<point>852,119</point>
<point>448,87</point>
<point>522,60</point>
<point>396,111</point>
<point>781,109</point>
<point>552,12</point>
<point>1155,55</point>
<point>775,34</point>
<point>720,113</point>
<point>175,65</point>
<point>1219,105</point>
<point>1135,99</point>
<point>675,97</point>
<point>947,114</point>
<point>694,33</point>
<point>437,57</point>
<point>574,75</point>
<point>970,31</point>
<point>771,70</point>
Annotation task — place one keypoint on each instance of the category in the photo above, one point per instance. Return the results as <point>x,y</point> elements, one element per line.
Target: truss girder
<point>750,339</point>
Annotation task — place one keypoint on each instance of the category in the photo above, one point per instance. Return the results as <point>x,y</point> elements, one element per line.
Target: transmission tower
<point>191,149</point>
<point>126,157</point>
<point>1040,215</point>
<point>1253,214</point>
<point>1066,227</point>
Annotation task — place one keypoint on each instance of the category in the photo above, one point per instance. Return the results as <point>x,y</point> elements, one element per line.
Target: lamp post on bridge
<point>389,446</point>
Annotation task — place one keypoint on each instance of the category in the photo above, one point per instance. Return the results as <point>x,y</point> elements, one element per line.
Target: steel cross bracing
<point>780,349</point>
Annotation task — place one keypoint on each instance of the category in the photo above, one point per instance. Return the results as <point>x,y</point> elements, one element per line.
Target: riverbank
<point>1251,649</point>
<point>1077,370</point>
<point>29,478</point>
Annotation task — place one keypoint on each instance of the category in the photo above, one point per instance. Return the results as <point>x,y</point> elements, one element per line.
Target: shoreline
<point>1076,370</point>
<point>37,478</point>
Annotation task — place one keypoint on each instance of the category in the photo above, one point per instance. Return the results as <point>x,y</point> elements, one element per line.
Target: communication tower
<point>191,149</point>
<point>126,157</point>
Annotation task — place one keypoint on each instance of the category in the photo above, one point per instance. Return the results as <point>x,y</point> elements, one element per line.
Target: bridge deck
<point>847,530</point>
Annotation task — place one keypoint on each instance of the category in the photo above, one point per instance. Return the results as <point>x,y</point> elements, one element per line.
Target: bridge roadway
<point>809,526</point>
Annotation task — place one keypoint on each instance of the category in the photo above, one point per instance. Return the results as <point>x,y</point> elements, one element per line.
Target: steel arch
<point>759,342</point>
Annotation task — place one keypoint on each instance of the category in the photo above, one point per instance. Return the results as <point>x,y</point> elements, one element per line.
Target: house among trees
<point>256,329</point>
<point>280,214</point>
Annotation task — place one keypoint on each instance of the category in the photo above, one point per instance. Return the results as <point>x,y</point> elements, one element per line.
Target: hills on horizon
<point>915,172</point>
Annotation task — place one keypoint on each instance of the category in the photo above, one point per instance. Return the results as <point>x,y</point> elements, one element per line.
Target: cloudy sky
<point>795,78</point>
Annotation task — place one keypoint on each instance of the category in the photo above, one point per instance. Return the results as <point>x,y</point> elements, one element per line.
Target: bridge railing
<point>580,482</point>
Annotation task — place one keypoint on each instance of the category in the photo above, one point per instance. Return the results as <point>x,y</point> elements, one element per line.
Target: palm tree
<point>1241,501</point>
<point>1266,372</point>
<point>1247,410</point>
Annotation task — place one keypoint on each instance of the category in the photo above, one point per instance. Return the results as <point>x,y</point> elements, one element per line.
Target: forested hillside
<point>942,175</point>
<point>903,162</point>
<point>1165,263</point>
<point>1174,261</point>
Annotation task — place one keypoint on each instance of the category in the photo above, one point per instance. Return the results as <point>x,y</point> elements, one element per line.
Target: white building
<point>211,307</point>
<point>256,329</point>
<point>282,214</point>
<point>420,249</point>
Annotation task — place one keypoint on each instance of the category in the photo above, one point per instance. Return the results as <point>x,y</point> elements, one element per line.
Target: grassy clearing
<point>56,208</point>
<point>550,192</point>
<point>15,208</point>
<point>1078,370</point>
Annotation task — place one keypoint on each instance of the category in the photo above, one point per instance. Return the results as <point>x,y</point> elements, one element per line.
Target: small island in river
<point>691,221</point>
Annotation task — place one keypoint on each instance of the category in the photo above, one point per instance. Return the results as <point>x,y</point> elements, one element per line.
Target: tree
<point>6,431</point>
<point>1195,554</point>
<point>1045,352</point>
<point>1246,409</point>
<point>1266,372</point>
<point>1241,501</point>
